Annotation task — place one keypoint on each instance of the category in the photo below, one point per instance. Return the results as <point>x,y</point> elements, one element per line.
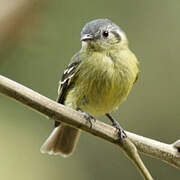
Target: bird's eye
<point>105,34</point>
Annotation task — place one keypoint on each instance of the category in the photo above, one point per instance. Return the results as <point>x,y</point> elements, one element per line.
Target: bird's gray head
<point>102,34</point>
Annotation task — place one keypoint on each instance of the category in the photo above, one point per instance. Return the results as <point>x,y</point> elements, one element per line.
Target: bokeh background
<point>37,40</point>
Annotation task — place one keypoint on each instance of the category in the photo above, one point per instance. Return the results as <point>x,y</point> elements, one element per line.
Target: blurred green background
<point>37,49</point>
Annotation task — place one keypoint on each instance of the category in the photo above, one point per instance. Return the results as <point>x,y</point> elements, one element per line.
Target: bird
<point>97,80</point>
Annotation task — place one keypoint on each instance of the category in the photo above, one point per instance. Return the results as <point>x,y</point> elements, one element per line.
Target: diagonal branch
<point>169,153</point>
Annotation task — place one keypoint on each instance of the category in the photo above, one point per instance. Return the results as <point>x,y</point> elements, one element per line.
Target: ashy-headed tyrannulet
<point>97,80</point>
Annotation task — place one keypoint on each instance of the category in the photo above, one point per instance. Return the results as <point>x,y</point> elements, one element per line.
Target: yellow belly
<point>104,98</point>
<point>102,86</point>
<point>102,94</point>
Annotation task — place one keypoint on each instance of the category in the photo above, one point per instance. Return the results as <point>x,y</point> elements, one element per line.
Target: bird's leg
<point>116,124</point>
<point>88,117</point>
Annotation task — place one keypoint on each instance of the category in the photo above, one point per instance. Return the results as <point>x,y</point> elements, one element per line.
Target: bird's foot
<point>115,123</point>
<point>121,132</point>
<point>88,117</point>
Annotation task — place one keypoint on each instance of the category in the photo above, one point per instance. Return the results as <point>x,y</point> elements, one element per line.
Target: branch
<point>169,153</point>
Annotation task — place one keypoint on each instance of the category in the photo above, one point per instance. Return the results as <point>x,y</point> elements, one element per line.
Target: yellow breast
<point>102,85</point>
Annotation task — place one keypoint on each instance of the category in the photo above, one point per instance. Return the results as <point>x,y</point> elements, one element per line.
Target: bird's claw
<point>88,117</point>
<point>121,132</point>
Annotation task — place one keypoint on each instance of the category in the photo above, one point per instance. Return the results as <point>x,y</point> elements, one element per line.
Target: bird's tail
<point>62,141</point>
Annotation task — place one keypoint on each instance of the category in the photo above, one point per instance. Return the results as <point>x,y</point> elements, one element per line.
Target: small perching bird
<point>97,80</point>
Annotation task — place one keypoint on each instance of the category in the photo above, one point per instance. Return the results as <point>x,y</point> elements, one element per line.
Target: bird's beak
<point>87,37</point>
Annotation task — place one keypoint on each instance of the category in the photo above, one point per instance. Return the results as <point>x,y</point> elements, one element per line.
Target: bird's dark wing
<point>65,82</point>
<point>137,77</point>
<point>69,72</point>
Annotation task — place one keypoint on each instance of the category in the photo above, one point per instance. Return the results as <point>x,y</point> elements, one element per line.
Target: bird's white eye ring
<point>105,34</point>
